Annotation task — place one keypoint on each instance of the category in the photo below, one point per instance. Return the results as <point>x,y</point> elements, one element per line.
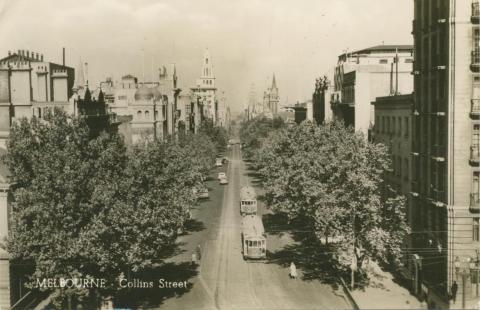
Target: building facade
<point>205,88</point>
<point>364,75</point>
<point>31,86</point>
<point>446,178</point>
<point>393,128</point>
<point>145,110</point>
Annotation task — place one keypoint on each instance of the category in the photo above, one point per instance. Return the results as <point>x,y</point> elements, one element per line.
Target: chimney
<point>9,53</point>
<point>63,56</point>
<point>18,53</point>
<point>36,56</point>
<point>28,54</point>
<point>41,57</point>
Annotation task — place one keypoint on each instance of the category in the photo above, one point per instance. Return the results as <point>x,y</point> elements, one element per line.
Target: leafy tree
<point>86,208</point>
<point>253,133</point>
<point>201,150</point>
<point>217,134</point>
<point>332,179</point>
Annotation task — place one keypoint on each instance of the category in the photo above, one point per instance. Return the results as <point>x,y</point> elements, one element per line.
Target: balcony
<point>475,64</point>
<point>475,108</point>
<point>475,155</point>
<point>475,12</point>
<point>475,202</point>
<point>437,197</point>
<point>438,152</point>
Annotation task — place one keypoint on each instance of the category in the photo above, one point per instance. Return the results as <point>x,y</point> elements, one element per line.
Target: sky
<point>249,40</point>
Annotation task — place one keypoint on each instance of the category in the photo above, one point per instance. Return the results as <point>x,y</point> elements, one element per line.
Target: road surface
<point>225,280</point>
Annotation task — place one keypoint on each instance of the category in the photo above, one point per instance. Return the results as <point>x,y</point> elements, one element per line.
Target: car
<point>201,193</point>
<point>223,181</point>
<point>218,162</point>
<point>221,175</point>
<point>225,160</point>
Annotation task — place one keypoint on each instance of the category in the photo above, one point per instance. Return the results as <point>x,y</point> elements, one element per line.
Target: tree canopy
<point>332,178</point>
<point>253,132</point>
<point>85,207</point>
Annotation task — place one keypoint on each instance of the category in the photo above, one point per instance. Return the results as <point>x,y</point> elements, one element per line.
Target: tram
<point>254,241</point>
<point>248,201</point>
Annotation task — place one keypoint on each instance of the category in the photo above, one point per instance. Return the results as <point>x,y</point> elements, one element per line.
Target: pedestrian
<point>199,252</point>
<point>194,258</point>
<point>454,290</point>
<point>293,271</point>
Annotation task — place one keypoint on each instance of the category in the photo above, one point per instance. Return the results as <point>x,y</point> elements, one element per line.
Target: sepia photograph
<point>239,154</point>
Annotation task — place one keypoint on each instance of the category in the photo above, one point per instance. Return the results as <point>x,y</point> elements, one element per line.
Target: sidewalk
<point>384,293</point>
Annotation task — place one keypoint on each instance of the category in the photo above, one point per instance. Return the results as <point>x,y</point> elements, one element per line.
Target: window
<point>147,114</point>
<point>408,60</point>
<point>399,161</point>
<point>476,135</point>
<point>383,124</point>
<point>384,61</point>
<point>139,114</point>
<point>476,229</point>
<point>388,125</point>
<point>406,127</point>
<point>399,133</point>
<point>407,169</point>
<point>394,124</point>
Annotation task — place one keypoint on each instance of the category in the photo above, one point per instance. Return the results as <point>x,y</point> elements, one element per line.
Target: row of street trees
<point>87,207</point>
<point>332,180</point>
<point>253,133</point>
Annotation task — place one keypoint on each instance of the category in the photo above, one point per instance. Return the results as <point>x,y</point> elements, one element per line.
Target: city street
<point>225,280</point>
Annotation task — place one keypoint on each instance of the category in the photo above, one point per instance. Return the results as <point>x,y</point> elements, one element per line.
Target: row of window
<point>385,61</point>
<point>145,114</point>
<point>393,125</point>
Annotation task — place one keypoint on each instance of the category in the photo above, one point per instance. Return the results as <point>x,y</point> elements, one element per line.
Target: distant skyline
<point>249,40</point>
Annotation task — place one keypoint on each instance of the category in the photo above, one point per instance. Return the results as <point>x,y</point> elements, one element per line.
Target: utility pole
<point>353,267</point>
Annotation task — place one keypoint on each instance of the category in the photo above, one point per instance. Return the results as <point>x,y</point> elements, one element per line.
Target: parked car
<point>201,193</point>
<point>223,181</point>
<point>221,175</point>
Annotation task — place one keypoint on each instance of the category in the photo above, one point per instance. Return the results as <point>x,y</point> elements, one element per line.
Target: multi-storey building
<point>206,89</point>
<point>364,75</point>
<point>446,172</point>
<point>31,86</point>
<point>393,128</point>
<point>152,106</point>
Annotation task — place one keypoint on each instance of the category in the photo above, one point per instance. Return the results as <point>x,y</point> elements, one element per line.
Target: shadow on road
<point>309,255</point>
<point>193,225</point>
<point>150,297</point>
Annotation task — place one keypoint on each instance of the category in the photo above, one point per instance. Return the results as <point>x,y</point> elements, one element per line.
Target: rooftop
<point>380,49</point>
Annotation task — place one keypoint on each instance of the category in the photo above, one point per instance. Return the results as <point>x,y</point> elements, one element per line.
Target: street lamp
<point>465,268</point>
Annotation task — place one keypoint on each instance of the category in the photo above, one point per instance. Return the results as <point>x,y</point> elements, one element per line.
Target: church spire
<point>274,83</point>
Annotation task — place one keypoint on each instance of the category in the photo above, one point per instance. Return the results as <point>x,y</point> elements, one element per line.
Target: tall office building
<point>362,76</point>
<point>446,150</point>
